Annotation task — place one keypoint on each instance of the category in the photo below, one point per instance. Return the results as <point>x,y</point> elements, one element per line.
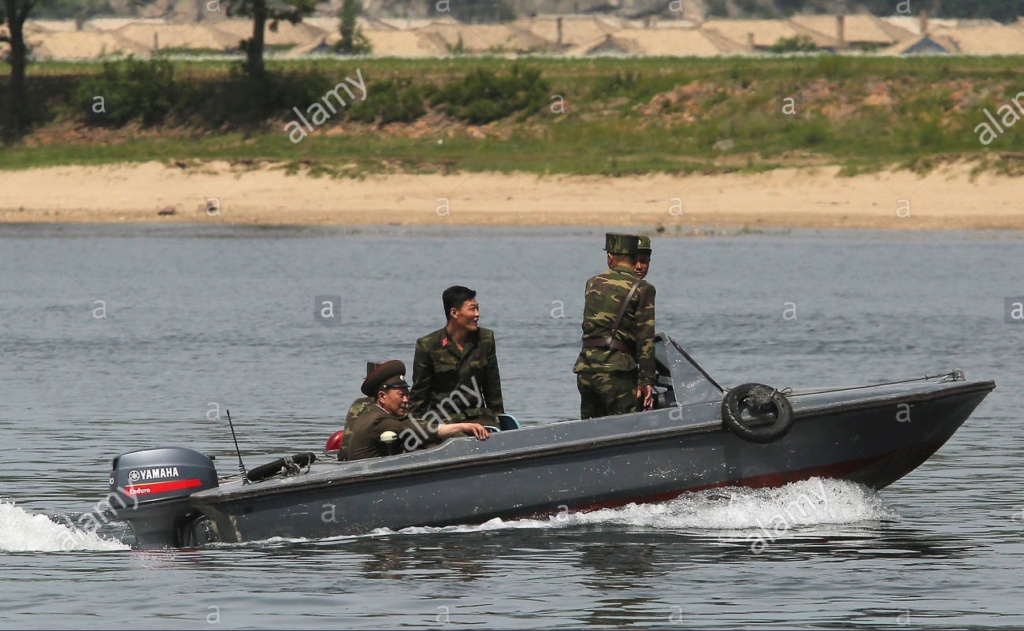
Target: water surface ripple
<point>207,318</point>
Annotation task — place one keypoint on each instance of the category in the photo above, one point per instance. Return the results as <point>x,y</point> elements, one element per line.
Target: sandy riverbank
<point>948,198</point>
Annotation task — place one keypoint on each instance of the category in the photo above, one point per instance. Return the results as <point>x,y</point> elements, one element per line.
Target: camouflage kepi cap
<point>620,243</point>
<point>644,244</point>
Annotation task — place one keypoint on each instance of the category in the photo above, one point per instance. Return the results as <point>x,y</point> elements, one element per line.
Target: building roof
<point>486,37</point>
<point>83,45</point>
<point>923,45</point>
<point>194,36</point>
<point>576,29</point>
<point>677,42</point>
<point>984,40</point>
<point>765,32</point>
<point>860,28</point>
<point>287,33</point>
<point>405,44</point>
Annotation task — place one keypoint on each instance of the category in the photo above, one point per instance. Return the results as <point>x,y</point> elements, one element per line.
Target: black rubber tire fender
<point>269,470</point>
<point>760,400</point>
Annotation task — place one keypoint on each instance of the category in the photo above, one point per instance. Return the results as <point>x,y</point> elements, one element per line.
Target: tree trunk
<point>17,13</point>
<point>254,47</point>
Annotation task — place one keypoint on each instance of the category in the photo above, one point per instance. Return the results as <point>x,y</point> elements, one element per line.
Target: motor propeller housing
<point>151,489</point>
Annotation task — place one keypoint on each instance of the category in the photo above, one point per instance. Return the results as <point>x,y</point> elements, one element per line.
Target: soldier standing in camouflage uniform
<point>615,370</point>
<point>455,371</point>
<point>643,258</point>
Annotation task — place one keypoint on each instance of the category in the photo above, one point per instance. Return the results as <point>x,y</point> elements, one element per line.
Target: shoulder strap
<point>625,305</point>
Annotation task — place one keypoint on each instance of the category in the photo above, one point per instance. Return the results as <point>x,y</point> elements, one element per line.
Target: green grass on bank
<point>621,116</point>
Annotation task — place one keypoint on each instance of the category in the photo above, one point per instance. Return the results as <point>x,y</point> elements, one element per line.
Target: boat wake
<point>770,513</point>
<point>22,531</point>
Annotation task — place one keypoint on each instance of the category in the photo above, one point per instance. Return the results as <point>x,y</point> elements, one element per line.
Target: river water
<point>116,338</point>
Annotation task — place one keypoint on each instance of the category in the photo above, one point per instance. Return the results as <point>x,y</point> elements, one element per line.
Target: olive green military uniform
<point>358,407</point>
<point>456,386</point>
<point>366,430</point>
<point>614,362</point>
<point>364,437</point>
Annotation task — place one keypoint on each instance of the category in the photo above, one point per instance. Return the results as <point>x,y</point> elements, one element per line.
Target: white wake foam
<point>772,511</point>
<point>22,531</point>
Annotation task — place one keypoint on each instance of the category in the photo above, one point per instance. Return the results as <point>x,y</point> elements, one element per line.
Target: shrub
<point>242,100</point>
<point>618,84</point>
<point>390,101</point>
<point>129,89</point>
<point>795,44</point>
<point>482,96</point>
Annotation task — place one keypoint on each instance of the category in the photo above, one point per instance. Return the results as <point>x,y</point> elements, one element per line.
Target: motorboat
<point>699,435</point>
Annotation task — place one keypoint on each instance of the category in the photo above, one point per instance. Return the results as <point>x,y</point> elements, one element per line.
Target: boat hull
<point>873,437</point>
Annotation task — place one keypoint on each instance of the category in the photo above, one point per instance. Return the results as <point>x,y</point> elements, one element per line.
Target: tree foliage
<point>352,42</point>
<point>795,44</point>
<point>262,12</point>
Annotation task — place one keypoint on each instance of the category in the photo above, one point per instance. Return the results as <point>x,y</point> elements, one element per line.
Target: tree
<point>352,41</point>
<point>14,13</point>
<point>261,12</point>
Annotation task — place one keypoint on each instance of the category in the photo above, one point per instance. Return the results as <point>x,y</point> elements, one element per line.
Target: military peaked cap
<point>388,375</point>
<point>644,244</point>
<point>620,243</point>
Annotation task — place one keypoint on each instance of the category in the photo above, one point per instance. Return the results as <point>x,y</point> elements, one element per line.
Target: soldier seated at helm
<point>358,407</point>
<point>387,387</point>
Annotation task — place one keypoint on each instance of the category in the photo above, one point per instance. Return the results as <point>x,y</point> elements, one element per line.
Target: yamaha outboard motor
<point>152,487</point>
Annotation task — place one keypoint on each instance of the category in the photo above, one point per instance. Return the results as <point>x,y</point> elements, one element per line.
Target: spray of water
<point>22,531</point>
<point>765,514</point>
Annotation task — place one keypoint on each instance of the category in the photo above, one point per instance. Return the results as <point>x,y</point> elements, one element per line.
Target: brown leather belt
<point>607,342</point>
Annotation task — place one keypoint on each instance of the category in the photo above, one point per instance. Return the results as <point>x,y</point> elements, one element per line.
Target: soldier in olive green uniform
<point>643,257</point>
<point>455,371</point>
<point>615,370</point>
<point>358,407</point>
<point>370,431</point>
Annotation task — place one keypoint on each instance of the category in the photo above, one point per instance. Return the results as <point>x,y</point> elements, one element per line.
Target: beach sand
<point>217,192</point>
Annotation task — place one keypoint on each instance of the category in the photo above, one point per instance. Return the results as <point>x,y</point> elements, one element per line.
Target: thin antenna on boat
<point>241,467</point>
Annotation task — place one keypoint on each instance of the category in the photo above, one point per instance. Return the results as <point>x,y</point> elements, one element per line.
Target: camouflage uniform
<point>440,370</point>
<point>607,378</point>
<point>367,428</point>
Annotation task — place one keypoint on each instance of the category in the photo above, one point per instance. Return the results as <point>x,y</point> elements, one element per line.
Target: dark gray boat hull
<point>873,435</point>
